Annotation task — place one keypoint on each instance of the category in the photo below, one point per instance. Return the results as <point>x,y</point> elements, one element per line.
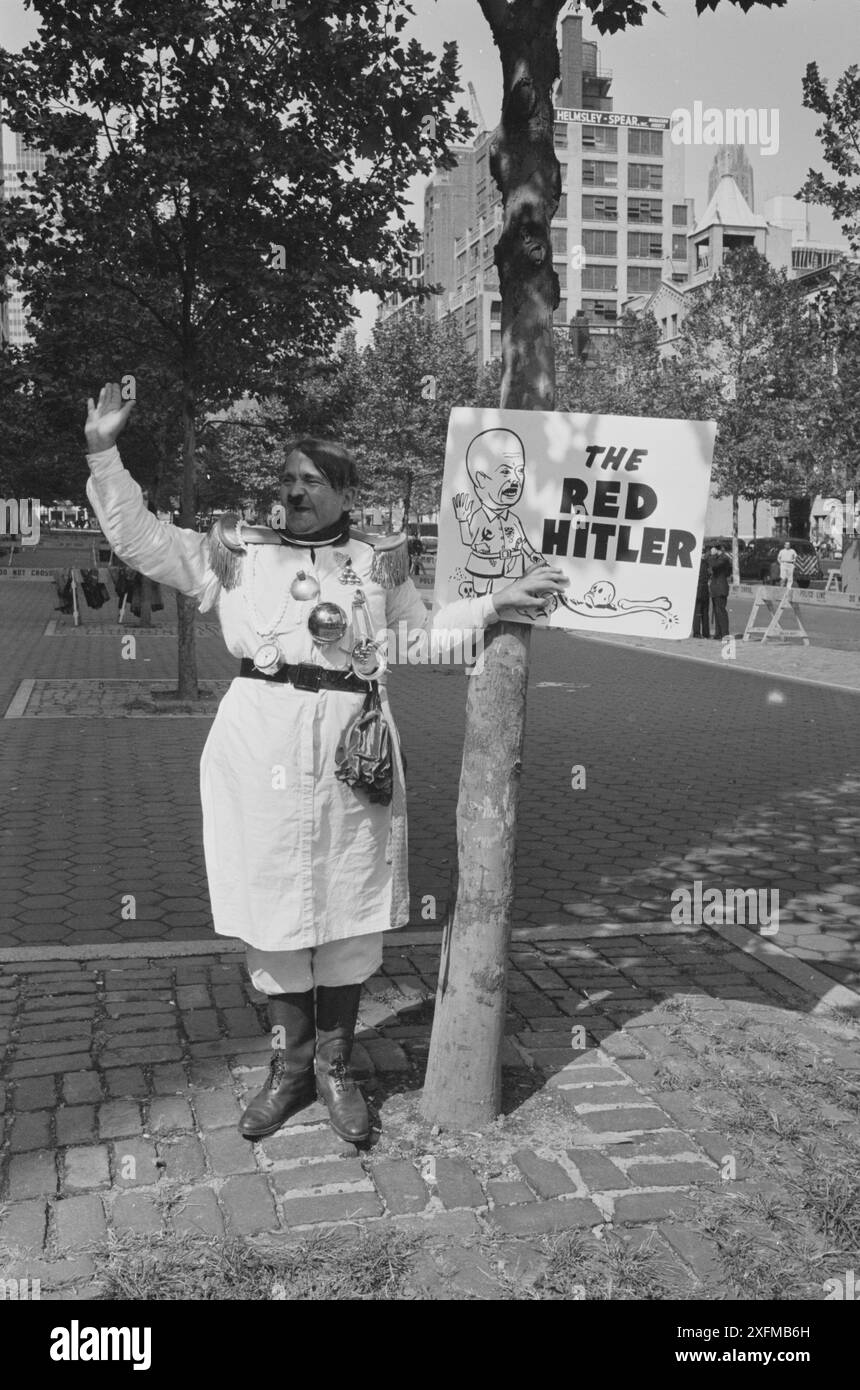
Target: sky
<point>722,59</point>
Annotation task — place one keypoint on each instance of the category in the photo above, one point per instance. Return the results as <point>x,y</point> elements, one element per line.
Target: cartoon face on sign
<point>498,545</point>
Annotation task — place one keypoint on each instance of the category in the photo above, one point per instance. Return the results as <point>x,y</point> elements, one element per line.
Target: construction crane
<point>477,113</point>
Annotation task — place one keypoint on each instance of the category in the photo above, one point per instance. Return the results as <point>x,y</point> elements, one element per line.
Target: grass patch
<point>580,1266</point>
<point>326,1266</point>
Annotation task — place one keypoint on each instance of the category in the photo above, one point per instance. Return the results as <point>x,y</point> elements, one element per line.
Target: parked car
<point>758,562</point>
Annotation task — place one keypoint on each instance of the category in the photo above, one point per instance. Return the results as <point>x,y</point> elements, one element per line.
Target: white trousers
<point>349,961</point>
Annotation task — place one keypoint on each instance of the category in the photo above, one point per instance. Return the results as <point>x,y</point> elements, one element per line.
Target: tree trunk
<point>736,567</point>
<point>799,512</point>
<point>755,518</point>
<point>463,1085</point>
<point>188,688</point>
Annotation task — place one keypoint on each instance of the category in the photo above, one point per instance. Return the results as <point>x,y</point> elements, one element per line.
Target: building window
<point>560,315</point>
<point>461,265</point>
<point>496,342</point>
<point>596,209</point>
<point>560,268</point>
<point>597,172</point>
<point>679,248</point>
<point>600,243</point>
<point>737,243</point>
<point>600,310</point>
<point>561,210</point>
<point>559,135</point>
<point>645,176</point>
<point>644,210</point>
<point>645,245</point>
<point>703,255</point>
<point>496,311</point>
<point>679,214</point>
<point>674,325</point>
<point>641,279</point>
<point>558,237</point>
<point>645,142</point>
<point>599,137</point>
<point>600,277</point>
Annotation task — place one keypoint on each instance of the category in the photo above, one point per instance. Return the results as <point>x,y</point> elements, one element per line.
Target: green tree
<point>838,303</point>
<point>749,356</point>
<point>228,176</point>
<point>412,373</point>
<point>621,375</point>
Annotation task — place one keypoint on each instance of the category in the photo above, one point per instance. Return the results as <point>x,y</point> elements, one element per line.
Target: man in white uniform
<point>302,866</point>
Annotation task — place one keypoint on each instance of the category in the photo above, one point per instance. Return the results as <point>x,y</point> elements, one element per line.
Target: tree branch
<point>145,304</point>
<point>496,14</point>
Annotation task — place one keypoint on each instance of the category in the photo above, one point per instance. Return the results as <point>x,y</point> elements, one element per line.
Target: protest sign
<point>617,502</point>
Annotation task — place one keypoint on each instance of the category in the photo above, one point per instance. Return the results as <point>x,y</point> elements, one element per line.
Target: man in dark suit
<point>720,567</point>
<point>701,619</point>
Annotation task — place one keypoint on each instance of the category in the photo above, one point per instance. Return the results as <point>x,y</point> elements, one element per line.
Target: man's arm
<point>168,554</point>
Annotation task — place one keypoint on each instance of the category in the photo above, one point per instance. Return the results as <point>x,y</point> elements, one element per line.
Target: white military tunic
<point>294,857</point>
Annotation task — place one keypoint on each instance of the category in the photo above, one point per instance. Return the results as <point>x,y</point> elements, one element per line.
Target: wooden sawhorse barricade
<point>776,610</point>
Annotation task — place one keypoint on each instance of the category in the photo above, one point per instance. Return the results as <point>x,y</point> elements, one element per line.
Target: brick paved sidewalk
<point>124,1079</point>
<point>788,660</point>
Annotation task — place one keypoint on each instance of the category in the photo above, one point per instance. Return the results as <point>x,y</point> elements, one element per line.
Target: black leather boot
<point>290,1085</point>
<point>337,1012</point>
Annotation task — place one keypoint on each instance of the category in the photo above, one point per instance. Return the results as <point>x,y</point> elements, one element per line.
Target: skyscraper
<point>27,161</point>
<point>621,223</point>
<point>732,159</point>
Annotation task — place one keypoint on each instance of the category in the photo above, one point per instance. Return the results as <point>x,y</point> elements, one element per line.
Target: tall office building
<point>27,161</point>
<point>449,206</point>
<point>622,219</point>
<point>732,159</point>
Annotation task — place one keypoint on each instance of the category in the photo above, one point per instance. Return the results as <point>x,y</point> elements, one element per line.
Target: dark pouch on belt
<point>363,759</point>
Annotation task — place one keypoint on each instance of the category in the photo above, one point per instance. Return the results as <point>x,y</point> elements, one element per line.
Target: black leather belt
<point>306,676</point>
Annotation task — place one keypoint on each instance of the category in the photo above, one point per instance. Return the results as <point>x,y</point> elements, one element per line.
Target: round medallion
<point>327,623</point>
<point>304,587</point>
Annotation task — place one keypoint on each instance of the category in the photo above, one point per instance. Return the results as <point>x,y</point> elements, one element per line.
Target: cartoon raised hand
<point>462,504</point>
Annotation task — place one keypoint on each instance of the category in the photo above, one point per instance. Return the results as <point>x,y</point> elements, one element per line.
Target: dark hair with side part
<point>333,460</point>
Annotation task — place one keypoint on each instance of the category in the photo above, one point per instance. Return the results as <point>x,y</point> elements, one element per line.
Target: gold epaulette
<point>229,539</point>
<point>390,557</point>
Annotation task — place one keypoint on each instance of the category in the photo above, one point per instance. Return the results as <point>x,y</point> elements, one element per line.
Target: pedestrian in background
<point>720,568</point>
<point>787,558</point>
<point>701,617</point>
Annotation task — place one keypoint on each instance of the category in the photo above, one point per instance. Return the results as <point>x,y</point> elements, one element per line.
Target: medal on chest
<point>327,622</point>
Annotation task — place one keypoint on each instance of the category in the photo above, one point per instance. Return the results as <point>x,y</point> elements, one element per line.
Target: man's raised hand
<point>106,418</point>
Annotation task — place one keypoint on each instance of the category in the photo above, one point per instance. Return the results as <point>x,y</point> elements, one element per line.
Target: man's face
<point>499,475</point>
<point>308,498</point>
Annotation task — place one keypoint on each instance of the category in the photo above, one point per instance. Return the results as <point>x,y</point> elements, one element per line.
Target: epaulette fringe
<point>226,550</point>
